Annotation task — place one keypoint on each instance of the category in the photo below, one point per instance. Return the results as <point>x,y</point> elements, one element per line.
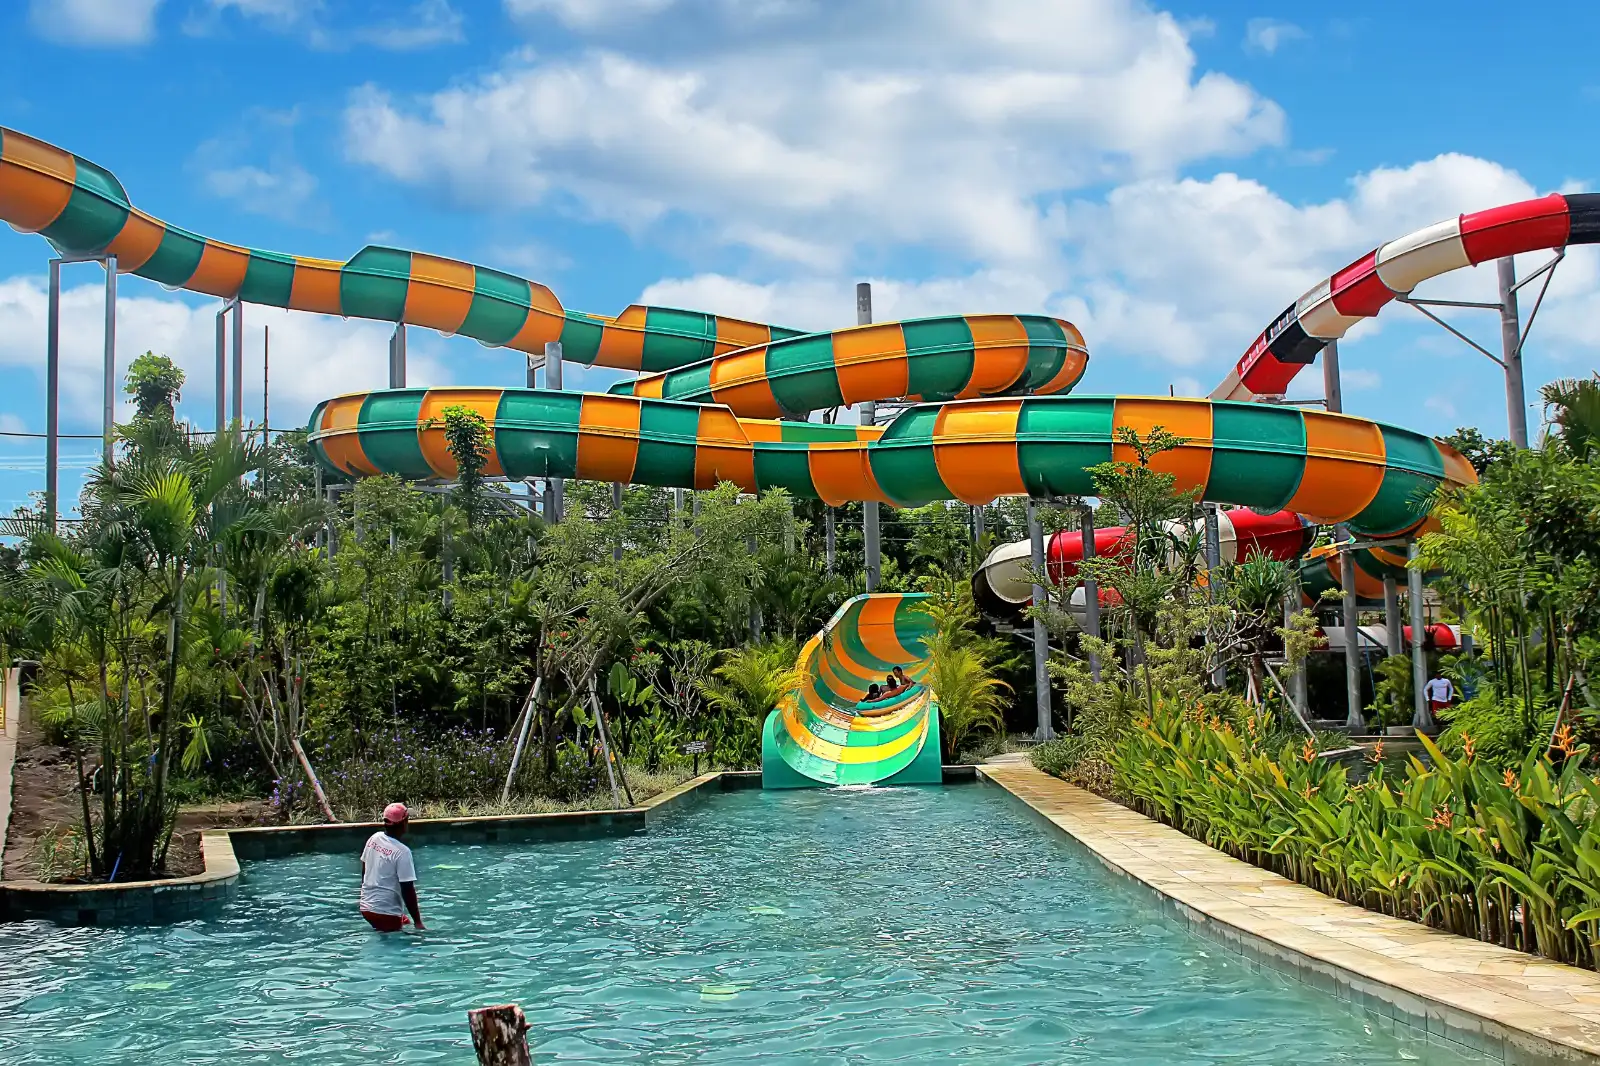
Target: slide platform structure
<point>722,399</point>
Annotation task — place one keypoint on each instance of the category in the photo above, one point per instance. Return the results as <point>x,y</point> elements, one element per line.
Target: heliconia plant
<point>1511,857</point>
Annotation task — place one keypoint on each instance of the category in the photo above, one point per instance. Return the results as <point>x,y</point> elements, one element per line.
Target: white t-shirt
<point>1439,690</point>
<point>388,865</point>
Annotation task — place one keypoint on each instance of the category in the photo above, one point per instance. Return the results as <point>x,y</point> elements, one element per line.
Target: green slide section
<point>825,733</point>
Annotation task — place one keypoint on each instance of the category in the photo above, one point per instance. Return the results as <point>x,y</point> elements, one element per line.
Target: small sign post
<point>696,748</point>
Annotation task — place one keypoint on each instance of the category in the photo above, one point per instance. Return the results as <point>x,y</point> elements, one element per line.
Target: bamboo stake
<point>522,738</point>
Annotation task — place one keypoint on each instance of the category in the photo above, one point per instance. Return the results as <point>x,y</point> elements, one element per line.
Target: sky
<point>1168,178</point>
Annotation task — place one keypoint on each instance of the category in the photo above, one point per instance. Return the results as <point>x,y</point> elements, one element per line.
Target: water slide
<point>1359,291</point>
<point>825,735</point>
<point>717,399</point>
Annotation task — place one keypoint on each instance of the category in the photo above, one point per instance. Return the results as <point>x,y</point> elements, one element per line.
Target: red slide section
<point>1002,586</point>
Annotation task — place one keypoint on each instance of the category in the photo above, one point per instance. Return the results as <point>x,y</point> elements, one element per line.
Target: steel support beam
<point>1091,590</point>
<point>1393,624</point>
<point>1421,716</point>
<point>1332,389</point>
<point>108,412</point>
<point>1354,719</point>
<point>1213,530</point>
<point>1511,346</point>
<point>1043,729</point>
<point>397,358</point>
<point>869,508</point>
<point>52,397</point>
<point>555,488</point>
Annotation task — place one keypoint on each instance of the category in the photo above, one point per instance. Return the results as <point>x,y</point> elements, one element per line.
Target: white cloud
<point>10,423</point>
<point>1441,406</point>
<point>1184,273</point>
<point>255,166</point>
<point>285,12</point>
<point>282,194</point>
<point>429,23</point>
<point>802,133</point>
<point>312,356</point>
<point>584,14</point>
<point>1268,35</point>
<point>426,24</point>
<point>94,23</point>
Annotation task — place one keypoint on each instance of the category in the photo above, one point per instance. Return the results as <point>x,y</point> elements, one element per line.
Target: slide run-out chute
<point>823,734</point>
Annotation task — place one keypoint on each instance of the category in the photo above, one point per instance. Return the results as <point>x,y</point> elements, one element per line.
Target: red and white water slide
<point>1325,313</point>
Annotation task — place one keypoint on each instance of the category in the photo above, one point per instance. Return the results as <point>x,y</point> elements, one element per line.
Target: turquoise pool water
<point>805,927</point>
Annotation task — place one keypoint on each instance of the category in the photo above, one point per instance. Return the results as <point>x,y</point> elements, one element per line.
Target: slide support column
<point>108,414</point>
<point>52,397</point>
<point>555,488</point>
<point>1354,720</point>
<point>1421,716</point>
<point>1091,591</point>
<point>869,411</point>
<point>1219,674</point>
<point>1393,631</point>
<point>1511,348</point>
<point>397,358</point>
<point>1041,636</point>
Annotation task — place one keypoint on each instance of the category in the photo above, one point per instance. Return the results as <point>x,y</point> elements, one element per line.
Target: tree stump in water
<point>499,1035</point>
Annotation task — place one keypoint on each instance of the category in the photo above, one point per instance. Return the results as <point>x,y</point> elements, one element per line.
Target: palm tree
<point>1572,406</point>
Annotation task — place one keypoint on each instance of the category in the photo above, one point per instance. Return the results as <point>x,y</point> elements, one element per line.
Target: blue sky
<point>1168,177</point>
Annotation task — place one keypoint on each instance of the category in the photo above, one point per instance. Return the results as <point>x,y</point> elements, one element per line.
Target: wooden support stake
<point>500,1035</point>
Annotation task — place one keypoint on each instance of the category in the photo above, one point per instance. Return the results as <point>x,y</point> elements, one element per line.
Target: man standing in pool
<point>388,876</point>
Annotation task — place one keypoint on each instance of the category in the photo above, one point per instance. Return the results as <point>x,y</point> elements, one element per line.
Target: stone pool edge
<point>176,899</point>
<point>1501,1024</point>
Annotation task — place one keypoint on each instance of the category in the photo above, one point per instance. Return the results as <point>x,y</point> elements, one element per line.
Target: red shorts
<point>386,923</point>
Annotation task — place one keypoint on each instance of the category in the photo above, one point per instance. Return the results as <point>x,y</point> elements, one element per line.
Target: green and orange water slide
<point>718,399</point>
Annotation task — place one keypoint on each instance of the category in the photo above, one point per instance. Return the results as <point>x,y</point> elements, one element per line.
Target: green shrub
<point>1498,730</point>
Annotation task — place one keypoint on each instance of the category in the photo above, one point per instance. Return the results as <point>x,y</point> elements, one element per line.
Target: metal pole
<point>1041,637</point>
<point>555,491</point>
<point>238,363</point>
<point>1511,346</point>
<point>1354,720</point>
<point>1331,387</point>
<point>222,370</point>
<point>616,512</point>
<point>397,358</point>
<point>52,396</point>
<point>1219,673</point>
<point>869,411</point>
<point>978,522</point>
<point>266,352</point>
<point>108,415</point>
<point>830,538</point>
<point>1091,590</point>
<point>1421,716</point>
<point>1393,626</point>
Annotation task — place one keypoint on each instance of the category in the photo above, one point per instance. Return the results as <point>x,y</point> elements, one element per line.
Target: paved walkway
<point>1503,1003</point>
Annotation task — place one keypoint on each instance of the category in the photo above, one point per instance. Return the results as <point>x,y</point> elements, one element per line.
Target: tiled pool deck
<point>1504,1004</point>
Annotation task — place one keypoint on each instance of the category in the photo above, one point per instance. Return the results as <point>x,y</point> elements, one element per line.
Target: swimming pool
<point>804,927</point>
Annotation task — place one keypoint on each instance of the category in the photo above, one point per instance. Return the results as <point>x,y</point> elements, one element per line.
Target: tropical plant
<point>1506,855</point>
<point>960,670</point>
<point>749,682</point>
